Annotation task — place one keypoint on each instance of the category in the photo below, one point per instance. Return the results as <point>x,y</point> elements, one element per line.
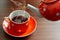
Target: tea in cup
<point>16,23</point>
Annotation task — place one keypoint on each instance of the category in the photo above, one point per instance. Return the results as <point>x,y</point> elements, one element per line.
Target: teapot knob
<point>48,1</point>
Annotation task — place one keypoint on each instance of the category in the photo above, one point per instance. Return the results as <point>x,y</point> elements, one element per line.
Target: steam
<point>16,3</point>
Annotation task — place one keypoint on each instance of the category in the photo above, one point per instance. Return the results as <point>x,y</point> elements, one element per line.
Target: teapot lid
<point>48,1</point>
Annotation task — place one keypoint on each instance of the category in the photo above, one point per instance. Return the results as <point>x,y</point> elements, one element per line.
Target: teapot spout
<point>36,10</point>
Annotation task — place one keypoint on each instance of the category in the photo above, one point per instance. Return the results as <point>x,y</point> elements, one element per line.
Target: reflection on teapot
<point>50,9</point>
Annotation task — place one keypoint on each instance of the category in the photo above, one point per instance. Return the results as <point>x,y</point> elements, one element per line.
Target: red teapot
<point>49,9</point>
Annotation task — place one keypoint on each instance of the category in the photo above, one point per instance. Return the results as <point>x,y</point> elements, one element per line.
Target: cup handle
<point>7,19</point>
<point>6,22</point>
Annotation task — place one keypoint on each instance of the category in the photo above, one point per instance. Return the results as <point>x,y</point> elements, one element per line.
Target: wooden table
<point>46,30</point>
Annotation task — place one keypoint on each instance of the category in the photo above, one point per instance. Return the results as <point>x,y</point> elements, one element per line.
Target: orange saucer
<point>30,30</point>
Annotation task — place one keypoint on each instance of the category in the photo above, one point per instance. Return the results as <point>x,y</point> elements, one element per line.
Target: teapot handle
<point>36,10</point>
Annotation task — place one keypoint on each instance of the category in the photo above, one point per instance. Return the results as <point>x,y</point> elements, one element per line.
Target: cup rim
<point>22,22</point>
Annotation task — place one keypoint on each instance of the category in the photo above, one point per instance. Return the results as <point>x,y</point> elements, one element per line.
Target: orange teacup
<point>17,22</point>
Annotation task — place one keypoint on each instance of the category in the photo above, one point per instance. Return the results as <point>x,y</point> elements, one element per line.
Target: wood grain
<point>46,30</point>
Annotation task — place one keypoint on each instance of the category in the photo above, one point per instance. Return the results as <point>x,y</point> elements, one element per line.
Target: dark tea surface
<point>19,19</point>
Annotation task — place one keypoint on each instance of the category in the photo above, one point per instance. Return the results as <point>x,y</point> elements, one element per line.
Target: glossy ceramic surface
<point>31,28</point>
<point>50,9</point>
